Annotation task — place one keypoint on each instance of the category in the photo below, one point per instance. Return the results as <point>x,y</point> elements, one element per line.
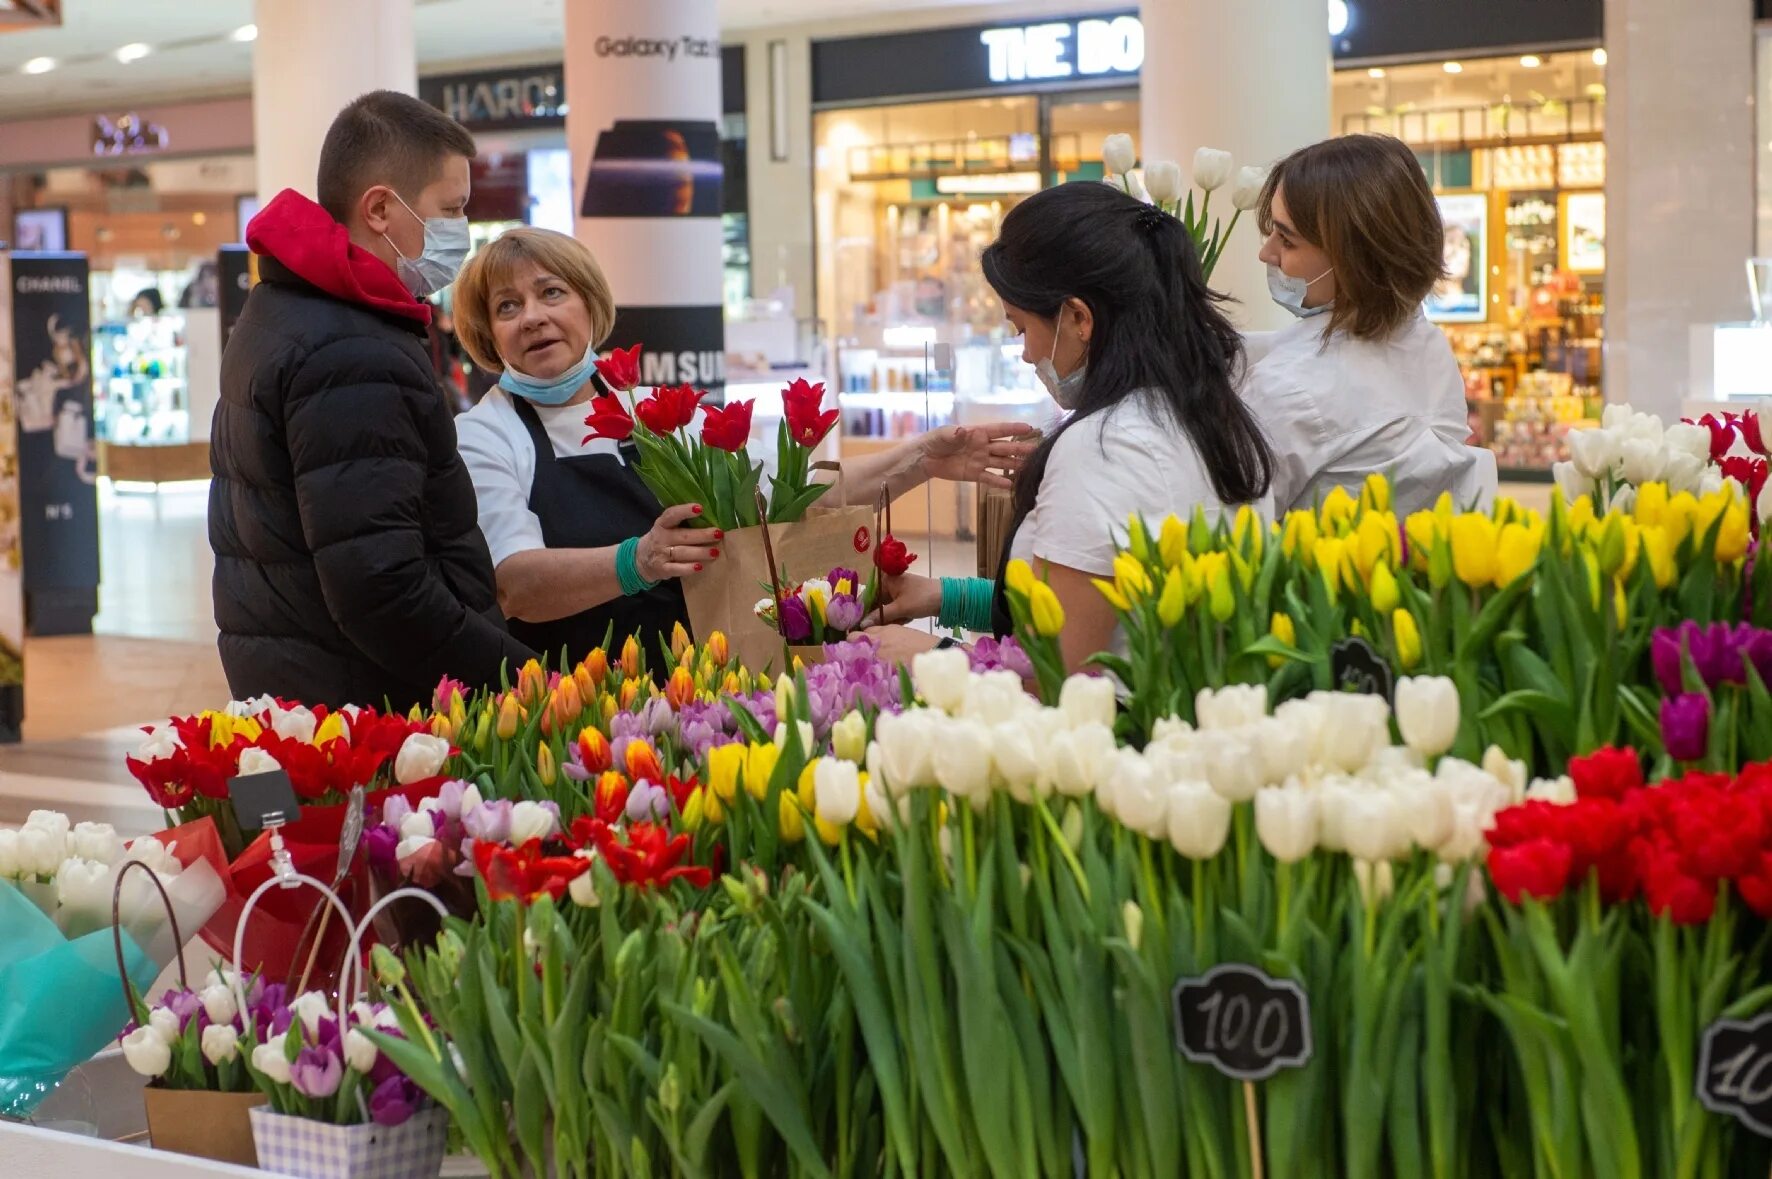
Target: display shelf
<point>141,385</point>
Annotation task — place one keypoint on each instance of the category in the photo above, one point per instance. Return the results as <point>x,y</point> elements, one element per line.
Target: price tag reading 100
<point>1735,1071</point>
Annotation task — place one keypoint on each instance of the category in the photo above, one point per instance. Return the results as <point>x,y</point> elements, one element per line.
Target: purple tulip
<point>184,1004</point>
<point>851,576</point>
<point>394,810</point>
<point>1685,726</point>
<point>316,1072</point>
<point>450,798</point>
<point>1665,654</point>
<point>648,801</point>
<point>1756,647</point>
<point>841,613</point>
<point>990,654</point>
<point>796,620</point>
<point>658,718</point>
<point>380,843</point>
<point>393,1102</point>
<point>490,821</point>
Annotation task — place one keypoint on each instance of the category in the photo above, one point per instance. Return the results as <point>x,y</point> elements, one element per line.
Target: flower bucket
<point>207,1125</point>
<point>307,1149</point>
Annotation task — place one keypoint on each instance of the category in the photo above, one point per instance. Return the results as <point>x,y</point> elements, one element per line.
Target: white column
<point>311,58</point>
<point>1679,187</point>
<point>781,209</point>
<point>1250,77</point>
<point>642,124</point>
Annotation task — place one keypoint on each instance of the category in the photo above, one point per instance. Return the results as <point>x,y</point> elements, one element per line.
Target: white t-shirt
<point>1134,457</point>
<point>1337,413</point>
<point>501,461</point>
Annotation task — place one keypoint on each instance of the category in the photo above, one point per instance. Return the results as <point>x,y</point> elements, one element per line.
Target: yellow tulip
<point>1620,601</point>
<point>732,685</point>
<point>1581,519</point>
<point>630,657</point>
<point>1444,508</point>
<point>440,727</point>
<point>1658,545</point>
<point>1018,578</point>
<point>829,833</point>
<point>1130,578</point>
<point>725,764</point>
<point>1173,601</point>
<point>1138,540</point>
<point>815,602</point>
<point>1375,496</point>
<point>1608,542</point>
<point>1377,540</point>
<point>806,789</point>
<point>609,708</point>
<point>1474,538</point>
<point>1281,628</point>
<point>1332,561</point>
<point>545,766</point>
<point>1047,611</point>
<point>1732,538</point>
<point>1299,536</point>
<point>1408,639</point>
<point>507,717</point>
<point>759,767</point>
<point>483,731</point>
<point>1633,547</point>
<point>1516,551</point>
<point>789,821</point>
<point>1358,629</point>
<point>1247,532</point>
<point>1385,591</point>
<point>1338,508</point>
<point>712,809</point>
<point>332,728</point>
<point>1423,529</point>
<point>1222,602</point>
<point>1651,504</point>
<point>1172,541</point>
<point>694,810</point>
<point>866,821</point>
<point>1591,566</point>
<point>1681,517</point>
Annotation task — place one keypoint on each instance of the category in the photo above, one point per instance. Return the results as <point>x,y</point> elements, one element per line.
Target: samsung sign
<point>1064,49</point>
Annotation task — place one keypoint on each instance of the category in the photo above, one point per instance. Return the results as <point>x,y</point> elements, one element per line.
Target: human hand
<point>901,644</point>
<point>988,455</point>
<point>671,550</point>
<point>908,597</point>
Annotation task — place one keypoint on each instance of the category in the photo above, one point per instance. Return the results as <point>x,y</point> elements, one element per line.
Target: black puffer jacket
<point>349,565</point>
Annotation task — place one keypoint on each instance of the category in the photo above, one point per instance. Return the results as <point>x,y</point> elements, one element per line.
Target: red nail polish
<point>712,553</point>
<point>697,509</point>
<point>719,534</point>
<point>698,568</point>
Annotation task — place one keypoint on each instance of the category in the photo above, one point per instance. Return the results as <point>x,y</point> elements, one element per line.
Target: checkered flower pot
<point>315,1150</point>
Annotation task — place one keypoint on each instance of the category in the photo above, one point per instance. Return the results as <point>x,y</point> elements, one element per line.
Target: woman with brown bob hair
<point>578,543</point>
<point>1364,383</point>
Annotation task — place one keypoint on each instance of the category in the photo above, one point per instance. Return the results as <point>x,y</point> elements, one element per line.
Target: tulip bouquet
<point>1160,182</point>
<point>822,610</point>
<point>1628,450</point>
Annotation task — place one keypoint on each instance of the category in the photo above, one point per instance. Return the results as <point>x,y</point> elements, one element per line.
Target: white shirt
<point>1336,413</point>
<point>501,461</point>
<point>1132,458</point>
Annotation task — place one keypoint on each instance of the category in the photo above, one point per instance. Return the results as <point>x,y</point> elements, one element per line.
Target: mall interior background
<point>870,152</point>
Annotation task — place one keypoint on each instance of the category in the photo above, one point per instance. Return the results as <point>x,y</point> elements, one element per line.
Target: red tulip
<point>893,559</point>
<point>727,428</point>
<point>1748,424</point>
<point>801,406</point>
<point>670,408</point>
<point>1538,868</point>
<point>525,874</point>
<point>650,857</point>
<point>620,370</point>
<point>609,419</point>
<point>1722,435</point>
<point>1606,773</point>
<point>1673,893</point>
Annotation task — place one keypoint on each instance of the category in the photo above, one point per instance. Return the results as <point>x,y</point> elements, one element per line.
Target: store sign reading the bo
<point>1065,49</point>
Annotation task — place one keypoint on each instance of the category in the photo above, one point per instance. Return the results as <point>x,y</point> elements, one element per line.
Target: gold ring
<point>671,554</point>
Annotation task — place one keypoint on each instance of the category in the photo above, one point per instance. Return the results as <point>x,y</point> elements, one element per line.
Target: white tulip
<point>9,859</point>
<point>1246,191</point>
<point>412,845</point>
<point>1688,439</point>
<point>1683,471</point>
<point>470,798</point>
<point>1393,765</point>
<point>1594,452</point>
<point>83,890</point>
<point>1428,713</point>
<point>147,1052</point>
<point>1509,773</point>
<point>1625,499</point>
<point>996,698</point>
<point>310,1007</point>
<point>257,761</point>
<point>1373,825</point>
<point>532,820</point>
<point>221,1043</point>
<point>1332,798</point>
<point>1170,728</point>
<point>1233,765</point>
<point>1286,820</point>
<point>941,677</point>
<point>1018,750</point>
<point>1429,812</point>
<point>1763,508</point>
<point>1616,417</point>
<point>804,728</point>
<point>219,1003</point>
<point>1076,759</point>
<point>1710,483</point>
<point>161,742</point>
<point>297,724</point>
<point>156,855</point>
<point>1305,719</point>
<point>1642,460</point>
<point>422,756</point>
<point>1354,728</point>
<point>1467,840</point>
<point>268,1059</point>
<point>1087,700</point>
<point>1212,168</point>
<point>1139,801</point>
<point>387,1020</point>
<point>97,842</point>
<point>1556,791</point>
<point>416,824</point>
<point>1230,707</point>
<point>817,585</point>
<point>963,761</point>
<point>583,889</point>
<point>1199,820</point>
<point>257,706</point>
<point>836,790</point>
<point>165,1024</point>
<point>1177,761</point>
<point>1377,881</point>
<point>40,851</point>
<point>1118,156</point>
<point>360,1054</point>
<point>51,821</point>
<point>1572,483</point>
<point>1285,749</point>
<point>1163,178</point>
<point>1646,426</point>
<point>906,742</point>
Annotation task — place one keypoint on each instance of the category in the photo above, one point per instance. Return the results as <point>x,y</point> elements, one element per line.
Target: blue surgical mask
<point>1066,390</point>
<point>446,248</point>
<point>554,390</point>
<point>1289,292</point>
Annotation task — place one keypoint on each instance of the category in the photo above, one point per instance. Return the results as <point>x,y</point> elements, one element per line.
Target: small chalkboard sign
<point>1356,666</point>
<point>352,834</point>
<point>1243,1022</point>
<point>263,800</point>
<point>1735,1071</point>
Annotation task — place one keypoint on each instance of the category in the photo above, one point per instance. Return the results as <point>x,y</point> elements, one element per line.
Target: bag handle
<point>129,992</point>
<point>774,573</point>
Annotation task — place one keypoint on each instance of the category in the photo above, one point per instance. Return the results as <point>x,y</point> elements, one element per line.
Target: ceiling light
<point>1453,67</point>
<point>1375,72</point>
<point>134,51</point>
<point>1339,17</point>
<point>1600,56</point>
<point>39,65</point>
<point>1531,61</point>
<point>245,33</point>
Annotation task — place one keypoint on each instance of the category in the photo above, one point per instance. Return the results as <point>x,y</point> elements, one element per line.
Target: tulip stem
<point>1154,898</point>
<point>1283,890</point>
<point>966,843</point>
<point>1199,867</point>
<point>521,963</point>
<point>1064,847</point>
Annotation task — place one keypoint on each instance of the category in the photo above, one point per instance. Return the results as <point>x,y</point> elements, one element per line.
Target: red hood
<point>304,237</point>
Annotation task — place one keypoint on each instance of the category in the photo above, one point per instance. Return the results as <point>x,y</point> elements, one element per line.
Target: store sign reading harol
<point>1065,49</point>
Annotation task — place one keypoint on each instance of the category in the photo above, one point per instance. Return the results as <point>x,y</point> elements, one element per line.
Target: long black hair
<point>1157,327</point>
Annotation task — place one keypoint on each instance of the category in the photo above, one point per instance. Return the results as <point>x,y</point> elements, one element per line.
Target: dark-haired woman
<point>1107,295</point>
<point>1363,383</point>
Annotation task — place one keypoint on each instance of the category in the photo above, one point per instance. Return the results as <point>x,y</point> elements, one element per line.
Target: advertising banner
<point>12,593</point>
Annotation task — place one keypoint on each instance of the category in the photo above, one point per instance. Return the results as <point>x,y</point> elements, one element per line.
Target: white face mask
<point>1066,390</point>
<point>1289,292</point>
<point>446,248</point>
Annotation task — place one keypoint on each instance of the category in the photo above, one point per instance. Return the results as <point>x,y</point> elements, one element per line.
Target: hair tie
<point>1151,219</point>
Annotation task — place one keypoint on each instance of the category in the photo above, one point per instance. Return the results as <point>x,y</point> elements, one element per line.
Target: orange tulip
<point>596,665</point>
<point>630,691</point>
<point>630,658</point>
<point>717,649</point>
<point>642,762</point>
<point>532,684</point>
<point>681,688</point>
<point>593,750</point>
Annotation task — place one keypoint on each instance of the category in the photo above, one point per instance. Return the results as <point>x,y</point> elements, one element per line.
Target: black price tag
<point>263,799</point>
<point>1244,1023</point>
<point>1735,1071</point>
<point>1356,666</point>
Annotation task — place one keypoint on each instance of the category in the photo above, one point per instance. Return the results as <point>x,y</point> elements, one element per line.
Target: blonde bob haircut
<point>495,265</point>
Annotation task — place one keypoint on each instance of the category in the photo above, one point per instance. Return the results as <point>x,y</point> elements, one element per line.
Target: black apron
<point>593,501</point>
<point>1002,622</point>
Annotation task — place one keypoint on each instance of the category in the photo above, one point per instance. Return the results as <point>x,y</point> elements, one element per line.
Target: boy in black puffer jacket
<point>349,565</point>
